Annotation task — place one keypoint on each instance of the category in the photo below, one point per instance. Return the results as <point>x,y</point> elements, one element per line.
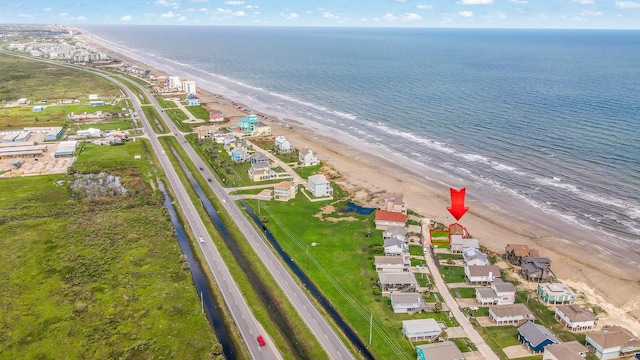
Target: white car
<point>201,240</point>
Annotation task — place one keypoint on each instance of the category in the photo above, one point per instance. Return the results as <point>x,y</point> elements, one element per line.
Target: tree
<point>438,307</point>
<point>367,232</point>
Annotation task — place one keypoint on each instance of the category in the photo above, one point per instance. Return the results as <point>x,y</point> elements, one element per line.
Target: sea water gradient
<point>524,119</point>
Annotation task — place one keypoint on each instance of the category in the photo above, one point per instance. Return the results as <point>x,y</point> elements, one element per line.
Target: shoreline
<point>593,270</point>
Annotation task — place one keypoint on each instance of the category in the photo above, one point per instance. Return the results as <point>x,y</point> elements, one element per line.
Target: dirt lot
<point>45,164</point>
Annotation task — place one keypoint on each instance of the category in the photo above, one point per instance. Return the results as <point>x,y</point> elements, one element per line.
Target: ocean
<point>542,122</point>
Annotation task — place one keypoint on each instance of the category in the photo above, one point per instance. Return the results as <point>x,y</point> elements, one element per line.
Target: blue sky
<point>593,14</point>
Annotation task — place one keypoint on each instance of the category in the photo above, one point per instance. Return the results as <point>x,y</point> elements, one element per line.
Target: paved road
<point>327,338</point>
<point>472,334</point>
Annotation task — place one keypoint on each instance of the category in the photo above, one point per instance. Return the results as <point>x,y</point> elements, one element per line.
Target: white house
<point>457,243</point>
<point>261,129</point>
<point>420,330</point>
<point>306,157</point>
<point>612,342</point>
<point>387,219</point>
<point>575,317</point>
<point>283,145</point>
<point>509,314</point>
<point>571,350</point>
<point>475,257</point>
<point>395,247</point>
<point>392,263</point>
<point>319,186</point>
<point>407,303</point>
<point>500,293</point>
<point>397,282</point>
<point>481,274</point>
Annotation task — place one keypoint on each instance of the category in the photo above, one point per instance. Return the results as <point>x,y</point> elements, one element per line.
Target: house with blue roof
<point>535,337</point>
<point>239,154</point>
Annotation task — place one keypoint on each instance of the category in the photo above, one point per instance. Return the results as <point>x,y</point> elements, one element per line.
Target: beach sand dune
<point>598,275</point>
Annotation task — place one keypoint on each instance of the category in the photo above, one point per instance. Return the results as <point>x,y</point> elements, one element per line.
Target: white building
<point>319,186</point>
<point>422,329</point>
<point>175,83</point>
<point>575,317</point>
<point>189,87</point>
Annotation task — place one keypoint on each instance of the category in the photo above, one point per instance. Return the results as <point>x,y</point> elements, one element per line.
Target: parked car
<point>261,340</point>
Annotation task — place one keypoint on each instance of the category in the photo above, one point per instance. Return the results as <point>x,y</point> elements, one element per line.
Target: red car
<point>261,340</point>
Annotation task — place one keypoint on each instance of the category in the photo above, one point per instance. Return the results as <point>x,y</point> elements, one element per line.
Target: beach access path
<point>472,334</point>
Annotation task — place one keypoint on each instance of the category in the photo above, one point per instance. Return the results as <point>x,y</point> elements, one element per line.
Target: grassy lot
<point>464,344</point>
<point>307,346</point>
<point>34,80</point>
<point>452,274</point>
<point>340,265</point>
<point>111,124</point>
<point>416,262</point>
<point>155,120</point>
<point>164,103</point>
<point>199,112</point>
<point>95,277</point>
<point>136,91</point>
<point>178,116</point>
<point>416,250</point>
<point>444,256</point>
<point>307,171</point>
<point>465,293</point>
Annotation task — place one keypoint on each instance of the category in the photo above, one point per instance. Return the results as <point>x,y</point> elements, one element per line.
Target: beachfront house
<point>411,303</point>
<point>393,203</point>
<point>443,350</point>
<point>385,219</point>
<point>556,293</point>
<point>284,191</point>
<point>392,263</point>
<point>395,247</point>
<point>306,157</point>
<point>514,253</point>
<point>247,123</point>
<point>397,282</point>
<point>509,314</point>
<point>261,129</point>
<point>571,350</point>
<point>458,244</point>
<point>421,330</point>
<point>474,257</point>
<point>575,317</point>
<point>283,145</point>
<point>536,269</point>
<point>193,100</point>
<point>536,337</point>
<point>612,342</point>
<point>481,275</point>
<point>457,229</point>
<point>319,186</point>
<point>216,116</point>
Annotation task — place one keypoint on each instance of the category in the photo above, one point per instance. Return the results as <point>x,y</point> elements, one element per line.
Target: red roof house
<point>386,219</point>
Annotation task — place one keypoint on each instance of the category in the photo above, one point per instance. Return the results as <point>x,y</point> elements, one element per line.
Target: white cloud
<point>251,7</point>
<point>411,17</point>
<point>172,4</point>
<point>519,1</point>
<point>81,18</point>
<point>584,2</point>
<point>466,14</point>
<point>223,11</point>
<point>182,18</point>
<point>199,1</point>
<point>328,15</point>
<point>389,17</point>
<point>475,2</point>
<point>26,16</point>
<point>204,10</point>
<point>63,14</point>
<point>496,16</point>
<point>47,9</point>
<point>234,3</point>
<point>167,15</point>
<point>239,13</point>
<point>590,13</point>
<point>126,18</point>
<point>627,5</point>
<point>424,7</point>
<point>401,1</point>
<point>290,16</point>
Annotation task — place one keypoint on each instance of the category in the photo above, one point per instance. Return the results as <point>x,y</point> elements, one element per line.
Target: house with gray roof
<point>411,303</point>
<point>457,243</point>
<point>397,282</point>
<point>395,247</point>
<point>482,274</point>
<point>392,263</point>
<point>399,232</point>
<point>500,293</point>
<point>421,330</point>
<point>537,269</point>
<point>259,158</point>
<point>571,350</point>
<point>306,157</point>
<point>575,317</point>
<point>444,350</point>
<point>474,257</point>
<point>535,337</point>
<point>556,293</point>
<point>509,314</point>
<point>319,186</point>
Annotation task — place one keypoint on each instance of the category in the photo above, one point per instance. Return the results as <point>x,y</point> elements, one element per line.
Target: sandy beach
<point>597,272</point>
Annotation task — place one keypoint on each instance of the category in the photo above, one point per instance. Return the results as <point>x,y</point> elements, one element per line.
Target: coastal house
<point>481,274</point>
<point>536,269</point>
<point>458,244</point>
<point>306,157</point>
<point>536,337</point>
<point>612,342</point>
<point>421,330</point>
<point>261,129</point>
<point>509,314</point>
<point>392,263</point>
<point>393,203</point>
<point>556,293</point>
<point>443,350</point>
<point>235,144</point>
<point>500,293</point>
<point>319,186</point>
<point>395,247</point>
<point>193,100</point>
<point>514,253</point>
<point>474,257</point>
<point>397,282</point>
<point>385,219</point>
<point>216,116</point>
<point>259,158</point>
<point>457,229</point>
<point>398,232</point>
<point>411,303</point>
<point>261,172</point>
<point>284,191</point>
<point>283,145</point>
<point>575,317</point>
<point>571,350</point>
<point>247,123</point>
<point>205,132</point>
<point>239,155</point>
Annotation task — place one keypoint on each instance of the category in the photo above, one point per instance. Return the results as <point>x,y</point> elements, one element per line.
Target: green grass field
<point>95,277</point>
<point>452,274</point>
<point>198,112</point>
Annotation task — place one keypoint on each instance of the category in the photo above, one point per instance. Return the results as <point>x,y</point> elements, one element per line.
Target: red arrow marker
<point>457,208</point>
